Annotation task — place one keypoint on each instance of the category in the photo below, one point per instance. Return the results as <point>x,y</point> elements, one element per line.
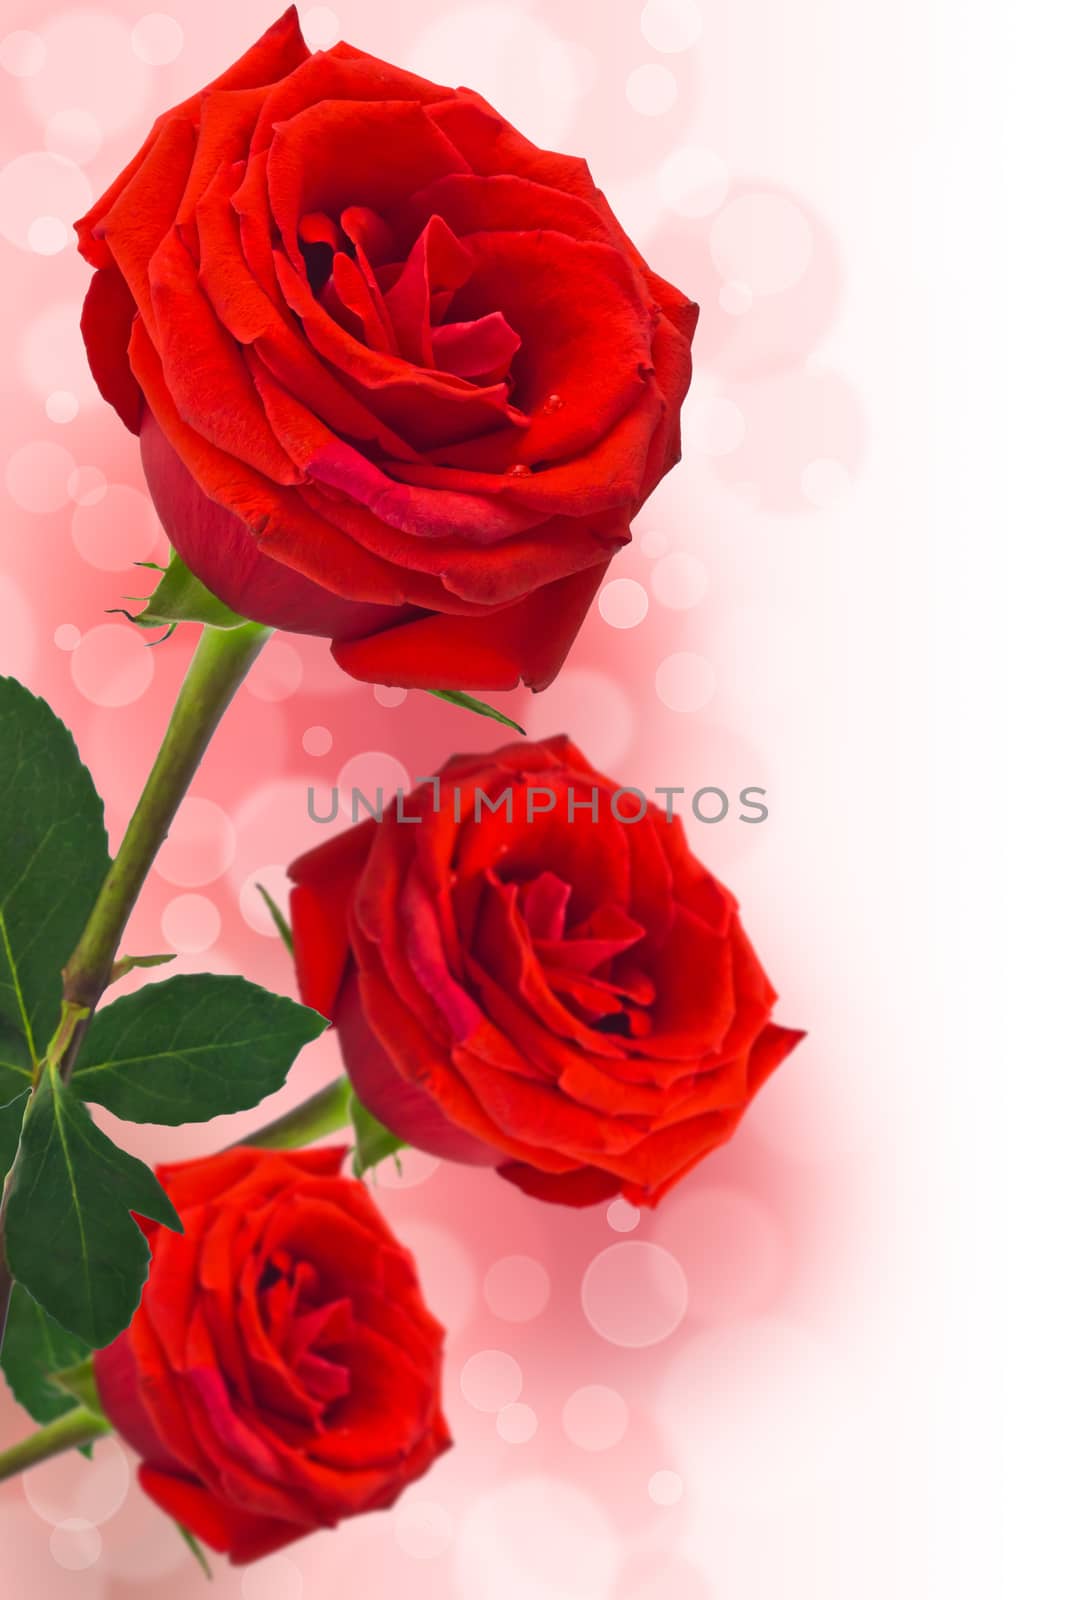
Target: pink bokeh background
<point>725,1399</point>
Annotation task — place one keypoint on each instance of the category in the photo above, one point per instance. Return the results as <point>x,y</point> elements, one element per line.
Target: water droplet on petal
<point>555,402</point>
<point>519,471</point>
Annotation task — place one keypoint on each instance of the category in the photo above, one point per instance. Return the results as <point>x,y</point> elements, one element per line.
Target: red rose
<point>282,1371</point>
<point>571,1000</point>
<point>399,376</point>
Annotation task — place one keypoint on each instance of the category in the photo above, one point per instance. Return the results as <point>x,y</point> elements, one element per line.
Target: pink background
<point>738,1397</point>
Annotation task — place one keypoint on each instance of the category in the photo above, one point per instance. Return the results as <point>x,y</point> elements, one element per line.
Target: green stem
<point>324,1113</point>
<point>69,1432</point>
<point>221,660</point>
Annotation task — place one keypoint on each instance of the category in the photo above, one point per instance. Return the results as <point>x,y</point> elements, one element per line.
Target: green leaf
<point>11,1117</point>
<point>35,1347</point>
<point>71,1239</point>
<point>456,697</point>
<point>278,917</point>
<point>373,1140</point>
<point>53,856</point>
<point>16,1067</point>
<point>179,597</point>
<point>192,1048</point>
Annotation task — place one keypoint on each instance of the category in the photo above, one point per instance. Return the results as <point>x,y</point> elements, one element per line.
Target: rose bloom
<point>282,1371</point>
<point>400,379</point>
<point>568,998</point>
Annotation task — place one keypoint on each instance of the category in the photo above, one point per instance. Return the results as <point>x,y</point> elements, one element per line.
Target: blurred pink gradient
<point>723,1410</point>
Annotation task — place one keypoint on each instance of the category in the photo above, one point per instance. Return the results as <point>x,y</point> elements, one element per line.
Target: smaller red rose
<point>282,1371</point>
<point>527,974</point>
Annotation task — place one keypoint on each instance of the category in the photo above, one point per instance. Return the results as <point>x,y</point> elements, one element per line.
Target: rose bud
<point>561,992</point>
<point>282,1371</point>
<point>400,378</point>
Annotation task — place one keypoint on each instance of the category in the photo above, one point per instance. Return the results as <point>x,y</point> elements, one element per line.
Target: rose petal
<point>526,642</point>
<point>106,320</point>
